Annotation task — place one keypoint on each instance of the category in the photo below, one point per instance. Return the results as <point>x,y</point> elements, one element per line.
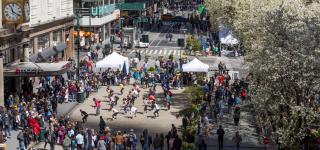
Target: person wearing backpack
<point>236,115</point>
<point>101,144</point>
<point>220,133</point>
<point>157,142</point>
<point>66,143</point>
<point>73,142</point>
<point>133,139</point>
<point>7,124</point>
<point>52,141</point>
<point>20,138</point>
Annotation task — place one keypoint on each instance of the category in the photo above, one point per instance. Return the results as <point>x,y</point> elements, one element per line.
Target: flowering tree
<point>282,40</point>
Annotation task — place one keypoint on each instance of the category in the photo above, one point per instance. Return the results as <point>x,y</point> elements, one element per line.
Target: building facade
<point>142,11</point>
<point>97,18</point>
<point>42,32</point>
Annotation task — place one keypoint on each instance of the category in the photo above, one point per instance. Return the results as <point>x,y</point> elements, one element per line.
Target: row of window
<point>44,40</point>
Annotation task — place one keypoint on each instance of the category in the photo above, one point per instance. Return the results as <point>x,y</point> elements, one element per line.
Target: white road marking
<point>160,52</point>
<point>164,51</point>
<point>155,51</point>
<point>147,51</point>
<point>169,52</point>
<point>132,51</point>
<point>174,52</point>
<point>150,52</point>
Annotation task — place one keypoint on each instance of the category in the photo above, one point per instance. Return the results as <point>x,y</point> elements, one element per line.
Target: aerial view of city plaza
<point>160,75</point>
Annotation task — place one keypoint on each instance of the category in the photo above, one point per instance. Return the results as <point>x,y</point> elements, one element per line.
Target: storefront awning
<point>30,69</point>
<point>48,52</point>
<point>60,47</point>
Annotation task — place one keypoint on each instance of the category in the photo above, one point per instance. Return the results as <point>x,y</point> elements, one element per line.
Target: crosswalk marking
<point>169,52</point>
<point>164,52</point>
<point>150,52</point>
<point>154,51</point>
<point>174,52</point>
<point>146,52</point>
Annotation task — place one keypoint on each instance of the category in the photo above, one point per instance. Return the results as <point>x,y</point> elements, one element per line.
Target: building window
<point>44,41</point>
<point>8,56</point>
<point>57,36</point>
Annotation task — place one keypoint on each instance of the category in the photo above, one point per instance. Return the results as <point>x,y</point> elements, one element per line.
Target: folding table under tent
<point>195,66</point>
<point>114,60</point>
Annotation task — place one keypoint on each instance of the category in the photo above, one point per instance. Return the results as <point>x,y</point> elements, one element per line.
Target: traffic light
<point>181,42</point>
<point>145,38</point>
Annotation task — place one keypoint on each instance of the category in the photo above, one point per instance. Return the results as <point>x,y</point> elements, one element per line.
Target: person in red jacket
<point>97,104</point>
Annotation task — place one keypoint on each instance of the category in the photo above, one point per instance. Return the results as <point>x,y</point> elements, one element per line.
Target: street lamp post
<point>78,45</point>
<point>90,27</point>
<point>120,25</point>
<point>184,38</point>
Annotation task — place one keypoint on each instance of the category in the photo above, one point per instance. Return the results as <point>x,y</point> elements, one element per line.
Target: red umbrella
<point>151,97</point>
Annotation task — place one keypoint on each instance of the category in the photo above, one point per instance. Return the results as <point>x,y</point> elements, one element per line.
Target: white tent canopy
<point>195,66</point>
<point>114,60</point>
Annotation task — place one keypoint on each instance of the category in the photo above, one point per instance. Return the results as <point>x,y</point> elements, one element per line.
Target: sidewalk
<point>248,131</point>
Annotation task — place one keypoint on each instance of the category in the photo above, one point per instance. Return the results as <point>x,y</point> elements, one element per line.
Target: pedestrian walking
<point>80,141</point>
<point>236,115</point>
<point>66,143</point>
<point>52,141</point>
<point>157,142</point>
<point>221,108</point>
<point>119,141</point>
<point>20,138</point>
<point>102,124</point>
<point>168,137</point>
<point>220,133</point>
<point>202,145</point>
<point>237,140</point>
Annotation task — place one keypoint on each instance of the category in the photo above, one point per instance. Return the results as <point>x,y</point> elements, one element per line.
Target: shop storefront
<point>17,75</point>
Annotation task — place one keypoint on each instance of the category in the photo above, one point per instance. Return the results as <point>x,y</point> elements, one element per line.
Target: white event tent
<point>195,66</point>
<point>114,60</point>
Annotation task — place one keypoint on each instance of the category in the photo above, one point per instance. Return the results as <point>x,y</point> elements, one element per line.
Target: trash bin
<point>81,97</point>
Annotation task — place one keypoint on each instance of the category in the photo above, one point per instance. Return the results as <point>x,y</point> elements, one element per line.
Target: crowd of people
<point>35,108</point>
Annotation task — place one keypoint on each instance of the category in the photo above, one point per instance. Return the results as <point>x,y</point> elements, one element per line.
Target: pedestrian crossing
<point>158,52</point>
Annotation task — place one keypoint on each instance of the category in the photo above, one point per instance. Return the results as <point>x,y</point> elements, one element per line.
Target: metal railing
<point>82,11</point>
